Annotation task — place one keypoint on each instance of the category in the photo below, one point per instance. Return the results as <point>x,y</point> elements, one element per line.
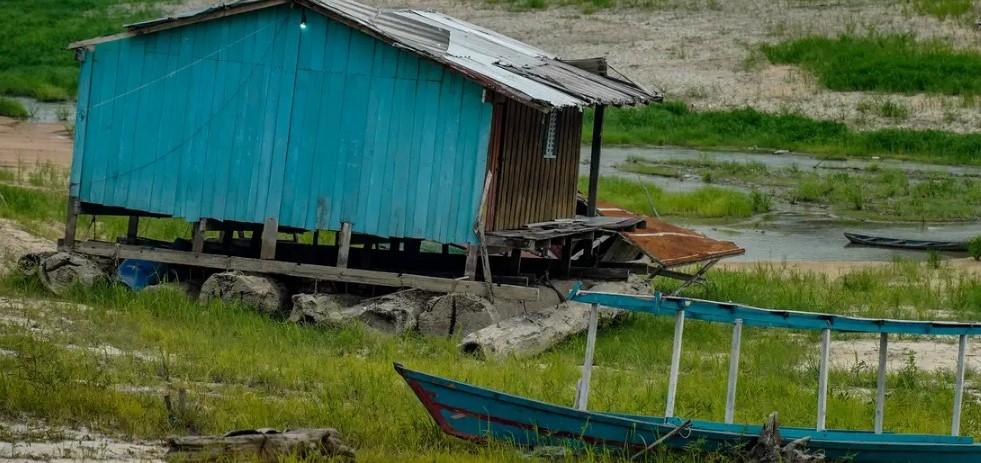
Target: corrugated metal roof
<point>501,63</point>
<point>670,245</point>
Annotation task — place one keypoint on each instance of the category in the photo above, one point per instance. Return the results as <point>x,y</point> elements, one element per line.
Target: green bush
<point>13,108</point>
<point>974,247</point>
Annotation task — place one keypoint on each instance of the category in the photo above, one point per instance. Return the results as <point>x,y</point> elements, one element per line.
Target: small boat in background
<point>899,243</point>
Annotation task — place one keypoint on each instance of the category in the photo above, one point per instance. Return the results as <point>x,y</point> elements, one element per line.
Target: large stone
<point>260,291</point>
<point>61,270</point>
<point>323,309</point>
<point>456,314</point>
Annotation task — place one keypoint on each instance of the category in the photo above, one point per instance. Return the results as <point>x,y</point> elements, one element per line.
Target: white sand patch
<point>935,354</point>
<point>30,442</point>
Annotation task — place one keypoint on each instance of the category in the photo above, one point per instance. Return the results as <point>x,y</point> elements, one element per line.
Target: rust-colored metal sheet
<point>670,245</point>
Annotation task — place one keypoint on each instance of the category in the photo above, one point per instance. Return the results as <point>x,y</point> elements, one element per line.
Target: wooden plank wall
<point>530,188</point>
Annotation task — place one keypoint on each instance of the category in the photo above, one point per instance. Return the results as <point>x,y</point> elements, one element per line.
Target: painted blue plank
<point>720,312</point>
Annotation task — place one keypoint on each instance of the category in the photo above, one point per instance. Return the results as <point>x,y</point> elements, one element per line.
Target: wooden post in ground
<point>133,229</point>
<point>343,244</point>
<point>71,223</point>
<point>270,234</point>
<point>473,253</point>
<point>594,159</point>
<point>197,236</point>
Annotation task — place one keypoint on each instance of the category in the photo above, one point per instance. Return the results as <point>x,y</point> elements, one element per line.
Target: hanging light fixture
<point>303,21</point>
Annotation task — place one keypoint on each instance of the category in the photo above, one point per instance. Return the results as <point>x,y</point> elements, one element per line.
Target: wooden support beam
<point>317,272</point>
<point>514,262</point>
<point>594,160</point>
<point>71,223</point>
<point>880,383</point>
<point>470,270</point>
<point>413,246</point>
<point>270,234</point>
<point>955,422</point>
<point>582,389</point>
<point>565,264</point>
<point>679,329</point>
<point>133,229</point>
<point>197,236</point>
<point>822,408</point>
<point>737,336</point>
<point>343,244</point>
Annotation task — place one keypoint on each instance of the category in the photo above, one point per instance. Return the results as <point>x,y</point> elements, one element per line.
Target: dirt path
<point>31,142</point>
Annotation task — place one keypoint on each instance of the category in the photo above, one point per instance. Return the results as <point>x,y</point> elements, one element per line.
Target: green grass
<point>873,193</point>
<point>34,34</point>
<point>707,202</point>
<point>13,108</point>
<point>245,370</point>
<point>944,9</point>
<point>882,63</point>
<point>673,123</point>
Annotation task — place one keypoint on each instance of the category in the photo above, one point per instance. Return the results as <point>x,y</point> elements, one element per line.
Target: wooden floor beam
<point>319,272</point>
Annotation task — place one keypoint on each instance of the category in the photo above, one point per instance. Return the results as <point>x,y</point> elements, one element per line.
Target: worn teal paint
<point>249,117</point>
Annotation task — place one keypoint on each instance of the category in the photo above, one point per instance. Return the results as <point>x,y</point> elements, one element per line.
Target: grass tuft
<point>13,108</point>
<point>647,198</point>
<point>944,9</point>
<point>882,63</point>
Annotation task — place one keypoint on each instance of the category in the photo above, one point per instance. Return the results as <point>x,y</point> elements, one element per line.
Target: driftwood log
<point>396,313</point>
<point>456,314</point>
<point>769,447</point>
<point>533,333</point>
<point>262,444</point>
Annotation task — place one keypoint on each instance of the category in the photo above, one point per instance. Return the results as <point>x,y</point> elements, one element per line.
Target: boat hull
<point>476,414</point>
<point>896,243</point>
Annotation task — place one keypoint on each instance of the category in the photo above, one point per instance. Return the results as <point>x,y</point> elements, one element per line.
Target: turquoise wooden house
<point>388,126</point>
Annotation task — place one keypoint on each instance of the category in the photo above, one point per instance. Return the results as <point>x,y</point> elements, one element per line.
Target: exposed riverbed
<point>796,232</point>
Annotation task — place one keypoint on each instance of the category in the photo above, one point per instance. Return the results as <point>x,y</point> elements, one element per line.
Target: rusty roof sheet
<point>503,64</point>
<point>670,245</point>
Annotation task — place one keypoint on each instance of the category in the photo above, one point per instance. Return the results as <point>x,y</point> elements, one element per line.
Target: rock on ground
<point>323,309</point>
<point>456,314</point>
<point>260,291</point>
<point>61,270</point>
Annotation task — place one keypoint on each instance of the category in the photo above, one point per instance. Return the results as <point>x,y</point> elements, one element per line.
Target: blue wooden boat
<point>475,413</point>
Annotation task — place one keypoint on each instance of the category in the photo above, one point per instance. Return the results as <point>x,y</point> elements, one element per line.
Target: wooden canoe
<point>477,414</point>
<point>898,243</point>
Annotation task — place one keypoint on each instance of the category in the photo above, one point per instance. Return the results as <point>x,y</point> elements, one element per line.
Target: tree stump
<point>263,444</point>
<point>456,315</point>
<point>260,291</point>
<point>61,270</point>
<point>396,313</point>
<point>769,447</point>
